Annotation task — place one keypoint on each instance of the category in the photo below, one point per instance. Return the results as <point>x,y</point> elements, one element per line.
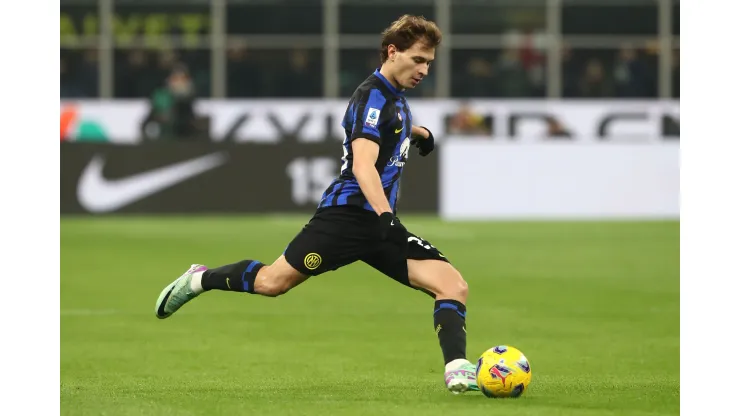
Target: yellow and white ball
<point>503,371</point>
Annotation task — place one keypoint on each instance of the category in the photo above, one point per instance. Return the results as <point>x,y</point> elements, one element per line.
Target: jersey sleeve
<point>369,116</point>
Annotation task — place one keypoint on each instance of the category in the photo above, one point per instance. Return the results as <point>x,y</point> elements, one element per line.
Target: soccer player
<point>356,218</point>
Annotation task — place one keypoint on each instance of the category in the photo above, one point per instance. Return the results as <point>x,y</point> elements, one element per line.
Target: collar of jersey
<point>387,83</point>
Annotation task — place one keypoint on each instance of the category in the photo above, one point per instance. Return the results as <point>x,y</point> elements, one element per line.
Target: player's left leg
<point>419,265</point>
<point>440,279</point>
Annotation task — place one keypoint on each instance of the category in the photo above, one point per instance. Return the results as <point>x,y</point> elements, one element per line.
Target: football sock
<point>237,277</point>
<point>449,323</point>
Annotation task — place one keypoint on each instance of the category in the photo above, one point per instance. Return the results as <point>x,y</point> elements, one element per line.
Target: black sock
<point>449,323</point>
<point>237,277</point>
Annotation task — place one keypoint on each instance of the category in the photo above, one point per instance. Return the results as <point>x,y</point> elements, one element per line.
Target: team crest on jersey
<point>399,160</point>
<point>373,115</point>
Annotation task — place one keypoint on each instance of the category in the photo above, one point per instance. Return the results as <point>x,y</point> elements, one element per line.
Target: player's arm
<point>365,154</point>
<point>371,117</point>
<point>423,139</point>
<point>417,131</point>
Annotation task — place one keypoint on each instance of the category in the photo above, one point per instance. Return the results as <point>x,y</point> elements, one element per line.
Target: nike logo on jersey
<point>96,193</point>
<point>399,130</point>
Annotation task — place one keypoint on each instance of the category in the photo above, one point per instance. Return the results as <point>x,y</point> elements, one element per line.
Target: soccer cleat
<point>461,379</point>
<point>177,293</point>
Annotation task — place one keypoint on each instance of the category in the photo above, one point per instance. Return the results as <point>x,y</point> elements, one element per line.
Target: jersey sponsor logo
<point>400,159</point>
<point>312,261</point>
<point>96,193</point>
<point>373,115</point>
<point>405,148</point>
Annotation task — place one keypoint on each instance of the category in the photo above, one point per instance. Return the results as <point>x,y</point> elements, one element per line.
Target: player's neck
<point>386,72</point>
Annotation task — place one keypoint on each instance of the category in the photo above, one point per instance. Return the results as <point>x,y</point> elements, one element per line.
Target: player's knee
<point>271,284</point>
<point>273,288</point>
<point>276,289</point>
<point>462,288</point>
<point>455,288</point>
<point>459,290</point>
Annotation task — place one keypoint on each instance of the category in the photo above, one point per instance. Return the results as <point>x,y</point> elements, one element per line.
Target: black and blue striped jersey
<point>379,112</point>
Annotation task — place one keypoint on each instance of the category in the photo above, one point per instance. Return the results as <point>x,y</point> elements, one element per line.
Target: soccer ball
<point>503,371</point>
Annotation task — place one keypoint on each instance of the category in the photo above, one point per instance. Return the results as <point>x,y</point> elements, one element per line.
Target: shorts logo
<point>312,261</point>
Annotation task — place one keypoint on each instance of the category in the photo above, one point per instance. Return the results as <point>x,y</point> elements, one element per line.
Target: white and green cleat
<point>177,293</point>
<point>460,376</point>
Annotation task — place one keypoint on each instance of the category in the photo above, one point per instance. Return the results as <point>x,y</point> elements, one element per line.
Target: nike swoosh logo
<point>399,130</point>
<point>98,194</point>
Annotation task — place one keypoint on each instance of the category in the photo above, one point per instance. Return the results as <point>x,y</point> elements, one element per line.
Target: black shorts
<point>340,235</point>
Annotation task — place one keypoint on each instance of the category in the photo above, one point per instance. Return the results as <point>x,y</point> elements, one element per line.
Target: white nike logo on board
<point>99,194</point>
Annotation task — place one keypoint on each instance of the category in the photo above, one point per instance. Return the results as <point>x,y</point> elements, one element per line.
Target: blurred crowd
<point>628,72</point>
<point>516,68</point>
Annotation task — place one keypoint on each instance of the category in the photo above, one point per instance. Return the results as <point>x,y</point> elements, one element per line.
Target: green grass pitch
<point>593,305</point>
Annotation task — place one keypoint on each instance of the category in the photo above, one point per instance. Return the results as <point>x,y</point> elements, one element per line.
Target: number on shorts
<point>421,243</point>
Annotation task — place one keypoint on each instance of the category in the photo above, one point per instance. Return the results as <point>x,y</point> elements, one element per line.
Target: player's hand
<point>425,146</point>
<point>391,227</point>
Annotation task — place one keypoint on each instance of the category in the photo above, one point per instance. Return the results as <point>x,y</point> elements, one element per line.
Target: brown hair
<point>406,31</point>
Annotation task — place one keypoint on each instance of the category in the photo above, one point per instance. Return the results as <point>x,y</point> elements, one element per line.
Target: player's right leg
<point>247,276</point>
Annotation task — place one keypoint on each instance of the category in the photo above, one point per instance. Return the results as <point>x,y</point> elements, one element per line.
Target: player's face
<point>412,65</point>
